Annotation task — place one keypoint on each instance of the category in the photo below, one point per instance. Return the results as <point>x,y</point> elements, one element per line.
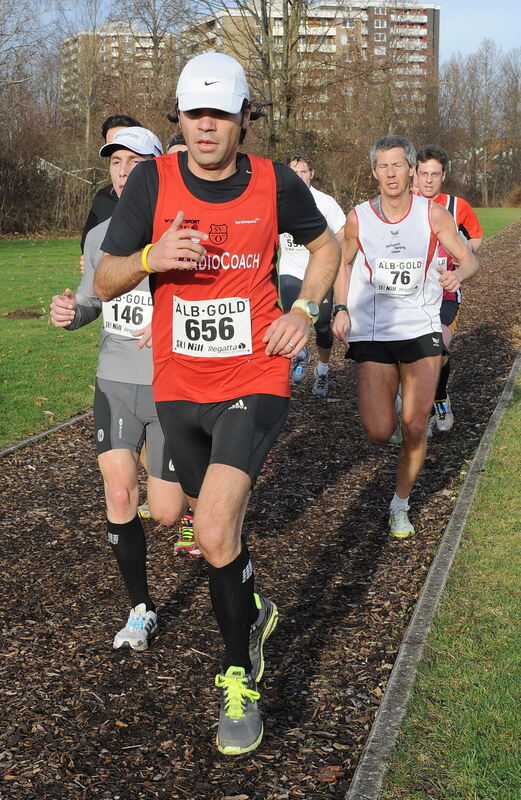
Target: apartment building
<point>401,31</point>
<point>89,57</point>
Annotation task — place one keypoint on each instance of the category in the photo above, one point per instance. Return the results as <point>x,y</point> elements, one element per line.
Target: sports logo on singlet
<point>218,234</point>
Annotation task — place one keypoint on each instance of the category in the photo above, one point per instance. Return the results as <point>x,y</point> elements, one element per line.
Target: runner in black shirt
<point>106,198</point>
<point>222,408</point>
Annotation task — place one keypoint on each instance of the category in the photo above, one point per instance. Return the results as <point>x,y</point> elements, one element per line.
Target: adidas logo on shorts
<point>240,404</point>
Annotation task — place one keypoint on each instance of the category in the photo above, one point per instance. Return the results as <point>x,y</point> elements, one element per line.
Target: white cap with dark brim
<point>212,80</point>
<point>138,140</point>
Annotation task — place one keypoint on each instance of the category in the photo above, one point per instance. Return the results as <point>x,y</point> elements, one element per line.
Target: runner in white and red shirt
<point>392,285</point>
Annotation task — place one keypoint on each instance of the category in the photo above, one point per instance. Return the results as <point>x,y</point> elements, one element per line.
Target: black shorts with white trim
<point>402,351</point>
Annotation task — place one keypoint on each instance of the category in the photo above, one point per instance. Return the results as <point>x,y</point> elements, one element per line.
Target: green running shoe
<point>240,723</point>
<point>263,627</point>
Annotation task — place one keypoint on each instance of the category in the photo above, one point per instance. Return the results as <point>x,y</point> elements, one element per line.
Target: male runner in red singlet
<point>392,327</point>
<point>207,222</point>
<point>431,169</point>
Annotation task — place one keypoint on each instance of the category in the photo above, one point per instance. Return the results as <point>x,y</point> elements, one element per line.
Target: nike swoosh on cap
<point>209,83</point>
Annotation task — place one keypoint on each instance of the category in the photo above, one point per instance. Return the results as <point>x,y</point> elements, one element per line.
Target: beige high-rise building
<point>89,57</point>
<point>400,32</point>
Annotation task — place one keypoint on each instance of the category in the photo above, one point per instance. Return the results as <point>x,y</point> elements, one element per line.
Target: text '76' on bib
<point>398,277</point>
<point>212,328</point>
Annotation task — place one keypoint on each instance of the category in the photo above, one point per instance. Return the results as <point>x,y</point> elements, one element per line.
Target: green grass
<point>461,739</point>
<point>46,373</point>
<point>495,219</point>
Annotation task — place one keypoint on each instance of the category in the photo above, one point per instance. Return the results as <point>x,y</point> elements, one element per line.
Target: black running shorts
<point>449,313</point>
<point>237,432</point>
<point>396,352</point>
<point>124,417</point>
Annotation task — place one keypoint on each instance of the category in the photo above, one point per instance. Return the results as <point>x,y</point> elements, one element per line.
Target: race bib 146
<point>128,314</point>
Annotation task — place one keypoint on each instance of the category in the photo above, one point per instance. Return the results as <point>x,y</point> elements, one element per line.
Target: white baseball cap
<point>212,80</point>
<point>139,140</point>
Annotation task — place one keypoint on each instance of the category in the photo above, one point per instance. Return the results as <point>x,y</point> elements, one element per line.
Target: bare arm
<point>178,248</point>
<point>475,244</point>
<point>117,274</point>
<point>443,227</point>
<point>288,334</point>
<point>322,268</point>
<point>341,322</point>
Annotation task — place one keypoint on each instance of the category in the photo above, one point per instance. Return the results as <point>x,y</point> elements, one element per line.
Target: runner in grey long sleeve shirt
<point>124,409</point>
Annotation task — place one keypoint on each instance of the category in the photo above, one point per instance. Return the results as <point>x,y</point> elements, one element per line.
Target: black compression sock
<point>130,548</point>
<point>231,591</point>
<point>441,390</point>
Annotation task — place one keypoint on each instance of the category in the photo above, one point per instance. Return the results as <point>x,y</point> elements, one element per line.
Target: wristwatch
<point>339,307</point>
<point>309,307</point>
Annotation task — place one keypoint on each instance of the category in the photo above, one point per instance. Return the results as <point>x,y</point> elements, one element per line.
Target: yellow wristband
<point>144,263</point>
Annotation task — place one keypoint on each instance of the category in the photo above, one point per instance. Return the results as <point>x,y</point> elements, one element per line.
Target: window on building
<point>380,23</point>
<point>379,37</point>
<point>379,11</point>
<point>348,22</point>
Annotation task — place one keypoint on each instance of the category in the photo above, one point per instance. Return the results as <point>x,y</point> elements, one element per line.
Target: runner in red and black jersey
<point>431,169</point>
<point>207,223</point>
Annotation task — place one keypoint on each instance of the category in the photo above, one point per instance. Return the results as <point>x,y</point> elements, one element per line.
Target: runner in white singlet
<point>392,286</point>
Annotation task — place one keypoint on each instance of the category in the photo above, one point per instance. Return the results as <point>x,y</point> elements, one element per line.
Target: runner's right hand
<point>178,248</point>
<point>63,308</point>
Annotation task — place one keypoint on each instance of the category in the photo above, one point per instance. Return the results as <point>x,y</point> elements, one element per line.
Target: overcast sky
<point>465,23</point>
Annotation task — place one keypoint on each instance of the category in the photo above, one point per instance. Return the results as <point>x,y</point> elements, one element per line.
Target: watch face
<point>313,308</point>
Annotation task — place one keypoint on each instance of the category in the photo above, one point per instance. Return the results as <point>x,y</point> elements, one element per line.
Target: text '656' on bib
<point>212,328</point>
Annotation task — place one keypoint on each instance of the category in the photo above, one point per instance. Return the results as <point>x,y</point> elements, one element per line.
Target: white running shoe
<point>141,626</point>
<point>444,415</point>
<point>400,525</point>
<point>320,386</point>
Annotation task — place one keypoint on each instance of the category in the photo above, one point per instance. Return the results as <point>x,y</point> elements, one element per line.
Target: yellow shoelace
<point>235,694</point>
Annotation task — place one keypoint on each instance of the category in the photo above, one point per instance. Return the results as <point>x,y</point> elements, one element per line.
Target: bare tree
<point>80,30</point>
<point>154,25</point>
<point>21,35</point>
